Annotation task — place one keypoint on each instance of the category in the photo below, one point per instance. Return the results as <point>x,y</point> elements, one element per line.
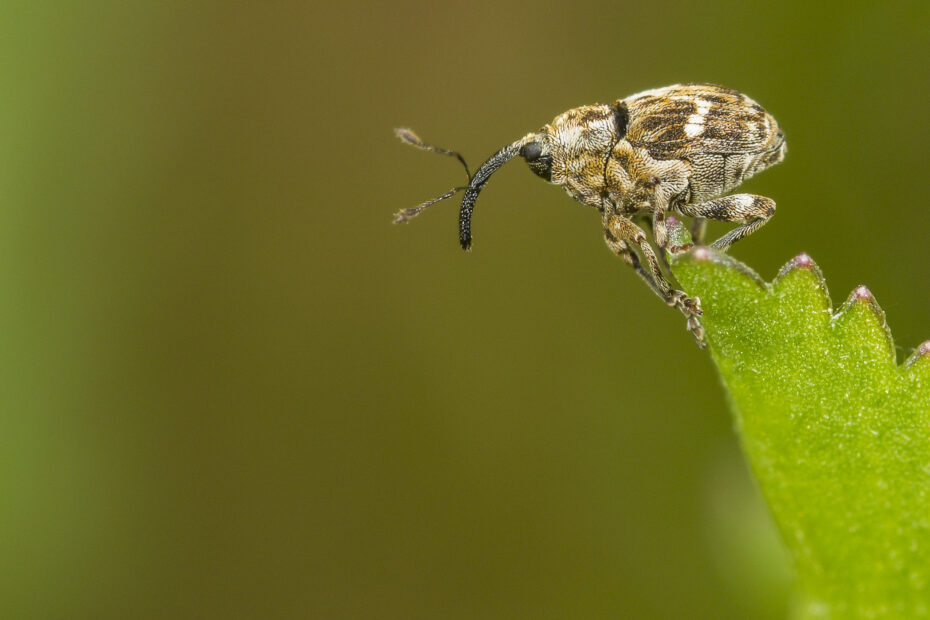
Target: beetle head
<point>538,155</point>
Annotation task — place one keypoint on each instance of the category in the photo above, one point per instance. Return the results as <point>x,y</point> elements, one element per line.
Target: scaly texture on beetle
<point>678,149</point>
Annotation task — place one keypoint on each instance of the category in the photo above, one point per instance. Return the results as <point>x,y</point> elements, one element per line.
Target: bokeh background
<point>232,389</point>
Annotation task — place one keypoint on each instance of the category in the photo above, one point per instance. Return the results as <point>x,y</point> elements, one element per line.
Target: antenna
<point>475,183</point>
<point>408,136</point>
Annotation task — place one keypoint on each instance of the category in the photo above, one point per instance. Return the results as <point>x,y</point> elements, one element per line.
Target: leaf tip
<point>802,275</point>
<point>859,296</point>
<point>862,293</point>
<point>921,353</point>
<point>862,314</point>
<point>801,262</point>
<point>717,261</point>
<point>679,239</point>
<point>702,254</point>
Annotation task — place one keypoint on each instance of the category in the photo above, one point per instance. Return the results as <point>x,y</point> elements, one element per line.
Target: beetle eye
<point>531,151</point>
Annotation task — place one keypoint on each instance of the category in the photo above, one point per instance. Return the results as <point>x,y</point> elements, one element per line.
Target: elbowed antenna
<point>477,183</point>
<point>407,136</point>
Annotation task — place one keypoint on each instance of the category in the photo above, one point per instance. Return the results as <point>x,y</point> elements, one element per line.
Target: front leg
<point>628,256</point>
<point>619,233</point>
<point>752,211</point>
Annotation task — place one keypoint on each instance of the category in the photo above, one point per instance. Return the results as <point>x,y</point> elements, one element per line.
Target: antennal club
<point>408,136</point>
<point>405,214</point>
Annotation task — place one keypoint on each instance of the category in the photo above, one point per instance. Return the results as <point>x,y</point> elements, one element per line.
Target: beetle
<point>678,149</point>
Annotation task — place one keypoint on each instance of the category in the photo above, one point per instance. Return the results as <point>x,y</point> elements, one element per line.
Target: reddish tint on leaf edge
<point>803,261</point>
<point>923,351</point>
<point>862,295</point>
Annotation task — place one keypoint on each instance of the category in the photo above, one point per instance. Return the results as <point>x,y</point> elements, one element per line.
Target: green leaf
<point>836,432</point>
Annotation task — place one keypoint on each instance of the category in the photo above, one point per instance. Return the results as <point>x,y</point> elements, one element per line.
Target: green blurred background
<point>232,389</point>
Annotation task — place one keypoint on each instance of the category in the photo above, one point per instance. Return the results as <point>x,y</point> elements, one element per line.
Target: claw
<point>687,305</point>
<point>675,298</point>
<point>678,249</point>
<point>691,308</point>
<point>694,324</point>
<point>693,304</point>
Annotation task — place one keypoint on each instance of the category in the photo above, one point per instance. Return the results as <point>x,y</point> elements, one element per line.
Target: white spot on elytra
<point>695,124</point>
<point>703,107</point>
<point>746,201</point>
<point>693,130</point>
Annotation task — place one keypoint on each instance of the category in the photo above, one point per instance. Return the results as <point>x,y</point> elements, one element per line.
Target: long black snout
<point>477,183</point>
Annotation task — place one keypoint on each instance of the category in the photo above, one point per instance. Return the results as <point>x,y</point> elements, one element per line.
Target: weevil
<point>679,149</point>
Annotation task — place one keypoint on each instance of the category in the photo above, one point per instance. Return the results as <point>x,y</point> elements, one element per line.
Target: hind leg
<point>750,210</point>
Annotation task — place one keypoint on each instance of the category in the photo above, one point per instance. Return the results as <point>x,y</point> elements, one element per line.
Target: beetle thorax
<point>635,180</point>
<point>580,142</point>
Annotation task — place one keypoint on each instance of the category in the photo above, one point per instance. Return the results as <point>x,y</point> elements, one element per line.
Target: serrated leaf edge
<point>920,354</point>
<point>861,296</point>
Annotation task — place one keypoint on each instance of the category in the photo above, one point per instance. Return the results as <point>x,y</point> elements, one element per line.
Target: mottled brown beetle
<point>677,149</point>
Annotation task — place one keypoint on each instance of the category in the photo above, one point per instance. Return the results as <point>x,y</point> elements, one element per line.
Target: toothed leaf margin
<point>836,432</point>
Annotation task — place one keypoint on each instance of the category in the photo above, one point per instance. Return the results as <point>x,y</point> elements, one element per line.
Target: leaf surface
<point>836,432</point>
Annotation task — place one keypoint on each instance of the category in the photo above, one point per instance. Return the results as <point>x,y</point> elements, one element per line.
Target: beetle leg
<point>647,223</point>
<point>621,249</point>
<point>752,211</point>
<point>626,232</point>
<point>619,232</point>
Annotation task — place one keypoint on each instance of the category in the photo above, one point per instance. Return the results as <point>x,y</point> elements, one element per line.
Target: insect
<point>678,149</point>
